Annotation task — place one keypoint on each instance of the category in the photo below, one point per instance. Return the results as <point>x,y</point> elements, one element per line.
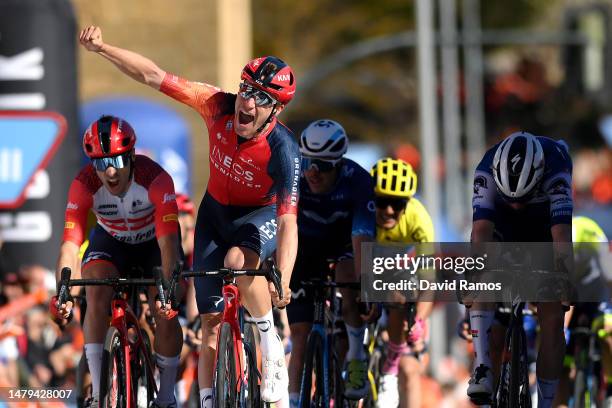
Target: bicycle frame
<point>319,328</point>
<point>123,318</point>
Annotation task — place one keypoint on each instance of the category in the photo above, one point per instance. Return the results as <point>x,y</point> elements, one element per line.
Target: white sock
<point>206,398</point>
<point>93,353</point>
<point>267,333</point>
<point>167,378</point>
<point>355,338</point>
<point>480,322</point>
<point>294,399</point>
<point>546,392</point>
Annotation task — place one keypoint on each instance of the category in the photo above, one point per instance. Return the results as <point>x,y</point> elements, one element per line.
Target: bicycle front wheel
<point>113,379</point>
<point>225,370</point>
<point>143,379</point>
<point>313,364</point>
<point>252,399</point>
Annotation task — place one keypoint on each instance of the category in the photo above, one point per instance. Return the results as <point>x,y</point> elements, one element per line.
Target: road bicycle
<point>587,360</point>
<point>128,373</point>
<point>237,378</point>
<point>321,357</point>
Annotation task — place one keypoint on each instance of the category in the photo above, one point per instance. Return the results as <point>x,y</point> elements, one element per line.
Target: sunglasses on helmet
<point>117,162</point>
<point>261,98</point>
<point>323,166</point>
<point>397,204</point>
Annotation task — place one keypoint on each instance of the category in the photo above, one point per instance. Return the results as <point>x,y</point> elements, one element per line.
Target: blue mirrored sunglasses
<point>117,162</point>
<point>321,165</point>
<point>261,98</point>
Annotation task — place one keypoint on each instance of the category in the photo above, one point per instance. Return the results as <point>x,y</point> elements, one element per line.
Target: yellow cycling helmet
<point>394,177</point>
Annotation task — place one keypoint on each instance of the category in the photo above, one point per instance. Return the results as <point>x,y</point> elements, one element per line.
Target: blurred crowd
<point>34,352</point>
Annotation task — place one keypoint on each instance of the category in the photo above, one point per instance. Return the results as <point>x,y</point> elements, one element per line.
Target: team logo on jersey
<point>69,225</point>
<point>229,125</point>
<point>559,187</point>
<point>72,206</point>
<point>170,217</point>
<point>136,202</point>
<point>168,198</point>
<point>479,182</point>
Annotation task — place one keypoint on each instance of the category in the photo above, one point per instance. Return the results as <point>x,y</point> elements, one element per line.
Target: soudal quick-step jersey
<point>146,211</point>
<point>256,172</point>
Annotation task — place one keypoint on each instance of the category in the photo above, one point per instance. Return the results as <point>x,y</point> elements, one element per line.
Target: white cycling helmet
<point>324,139</point>
<point>518,165</point>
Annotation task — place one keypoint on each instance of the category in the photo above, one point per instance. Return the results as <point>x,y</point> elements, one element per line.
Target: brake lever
<point>63,295</point>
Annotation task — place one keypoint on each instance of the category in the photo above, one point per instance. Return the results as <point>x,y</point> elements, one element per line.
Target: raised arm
<point>132,64</point>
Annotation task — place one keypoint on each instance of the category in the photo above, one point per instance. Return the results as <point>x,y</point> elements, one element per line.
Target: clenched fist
<point>91,38</point>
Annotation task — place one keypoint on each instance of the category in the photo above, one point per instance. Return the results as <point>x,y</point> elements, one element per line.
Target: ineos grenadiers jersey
<point>551,203</point>
<point>348,210</point>
<point>256,172</point>
<point>146,211</point>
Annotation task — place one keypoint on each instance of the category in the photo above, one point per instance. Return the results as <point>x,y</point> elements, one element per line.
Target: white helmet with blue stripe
<point>324,139</point>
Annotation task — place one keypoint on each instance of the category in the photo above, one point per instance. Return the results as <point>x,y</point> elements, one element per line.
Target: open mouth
<point>113,183</point>
<point>244,118</point>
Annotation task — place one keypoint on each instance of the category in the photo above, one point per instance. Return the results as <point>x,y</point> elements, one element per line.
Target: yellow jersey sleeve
<point>414,226</point>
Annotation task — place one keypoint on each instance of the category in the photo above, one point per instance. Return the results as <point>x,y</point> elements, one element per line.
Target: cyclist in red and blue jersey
<point>336,214</point>
<point>251,200</point>
<point>134,203</point>
<point>522,193</point>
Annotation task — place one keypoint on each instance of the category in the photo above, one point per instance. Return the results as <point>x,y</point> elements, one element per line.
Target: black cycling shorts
<point>312,262</point>
<point>219,228</point>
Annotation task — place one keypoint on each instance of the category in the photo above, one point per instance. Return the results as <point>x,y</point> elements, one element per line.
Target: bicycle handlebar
<point>272,275</point>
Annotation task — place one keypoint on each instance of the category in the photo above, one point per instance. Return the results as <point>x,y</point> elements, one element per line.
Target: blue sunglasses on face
<point>323,166</point>
<point>117,162</point>
<point>261,98</point>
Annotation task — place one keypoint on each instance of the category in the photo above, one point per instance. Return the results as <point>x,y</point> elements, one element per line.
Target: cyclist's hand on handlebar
<point>91,38</point>
<point>280,303</point>
<point>61,314</point>
<point>165,311</point>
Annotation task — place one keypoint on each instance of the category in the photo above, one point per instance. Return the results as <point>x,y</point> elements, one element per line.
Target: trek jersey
<point>550,204</point>
<point>348,210</point>
<point>256,172</point>
<point>146,211</point>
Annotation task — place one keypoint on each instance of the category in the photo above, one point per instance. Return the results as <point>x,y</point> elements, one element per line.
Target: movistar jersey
<point>348,210</point>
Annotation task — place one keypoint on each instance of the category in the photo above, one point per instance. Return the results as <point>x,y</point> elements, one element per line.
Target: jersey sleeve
<point>364,210</point>
<point>285,170</point>
<point>198,95</point>
<point>161,195</point>
<point>483,197</point>
<point>80,201</point>
<point>557,184</point>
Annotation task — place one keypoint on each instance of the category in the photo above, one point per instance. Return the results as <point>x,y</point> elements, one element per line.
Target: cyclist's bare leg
<point>345,272</point>
<point>94,328</point>
<point>210,330</point>
<point>551,351</point>
<point>299,337</point>
<point>256,298</point>
<point>409,382</point>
